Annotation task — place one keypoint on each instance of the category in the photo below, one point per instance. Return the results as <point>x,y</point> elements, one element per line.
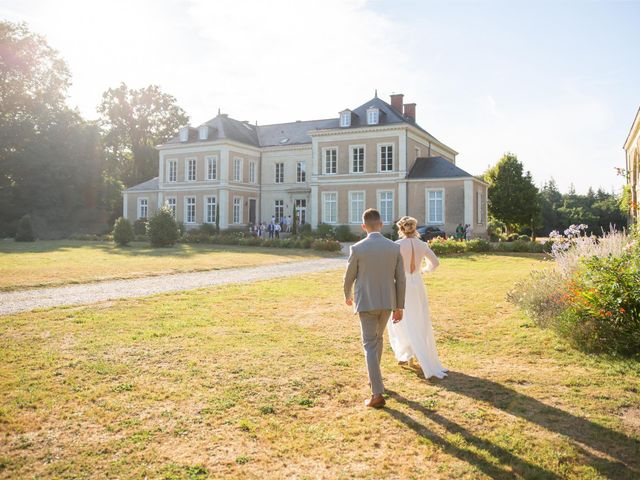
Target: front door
<point>252,211</point>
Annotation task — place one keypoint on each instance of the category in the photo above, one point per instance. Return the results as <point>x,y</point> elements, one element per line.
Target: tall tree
<point>513,197</point>
<point>50,159</point>
<point>133,123</point>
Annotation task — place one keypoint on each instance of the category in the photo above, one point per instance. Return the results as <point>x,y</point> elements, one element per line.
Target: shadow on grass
<point>493,460</point>
<point>623,451</point>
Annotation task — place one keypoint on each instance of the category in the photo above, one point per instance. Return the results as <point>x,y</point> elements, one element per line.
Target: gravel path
<point>25,300</point>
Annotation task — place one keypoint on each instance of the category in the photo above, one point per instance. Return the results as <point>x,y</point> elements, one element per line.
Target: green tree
<point>134,121</point>
<point>513,197</point>
<point>50,158</point>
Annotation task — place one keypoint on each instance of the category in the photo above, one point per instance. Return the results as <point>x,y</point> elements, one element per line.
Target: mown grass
<point>266,380</point>
<point>51,263</point>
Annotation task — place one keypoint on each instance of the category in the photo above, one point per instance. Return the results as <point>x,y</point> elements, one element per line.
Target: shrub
<point>140,226</point>
<point>122,232</point>
<point>305,229</point>
<point>325,231</point>
<point>162,228</point>
<point>181,228</point>
<point>343,234</point>
<point>604,305</point>
<point>478,245</point>
<point>394,229</point>
<point>542,296</point>
<point>326,245</point>
<point>24,232</point>
<point>195,235</point>
<point>524,238</point>
<point>591,296</point>
<point>251,242</point>
<point>208,228</point>
<point>441,246</point>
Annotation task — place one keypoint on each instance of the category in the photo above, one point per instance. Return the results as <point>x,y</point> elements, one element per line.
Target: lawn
<point>266,380</point>
<point>51,263</point>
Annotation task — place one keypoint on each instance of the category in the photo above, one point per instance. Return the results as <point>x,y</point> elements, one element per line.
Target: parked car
<point>429,233</point>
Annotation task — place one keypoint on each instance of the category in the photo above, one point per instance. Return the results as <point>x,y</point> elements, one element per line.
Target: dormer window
<point>373,116</point>
<point>184,134</point>
<point>345,118</point>
<point>203,132</point>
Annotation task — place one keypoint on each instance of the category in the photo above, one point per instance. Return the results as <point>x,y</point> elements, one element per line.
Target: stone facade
<point>331,170</point>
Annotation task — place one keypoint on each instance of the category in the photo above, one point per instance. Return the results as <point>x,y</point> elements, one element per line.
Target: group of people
<point>463,232</point>
<point>386,278</point>
<point>273,228</point>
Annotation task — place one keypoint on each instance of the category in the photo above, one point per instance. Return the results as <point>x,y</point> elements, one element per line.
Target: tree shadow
<point>623,451</point>
<point>505,466</point>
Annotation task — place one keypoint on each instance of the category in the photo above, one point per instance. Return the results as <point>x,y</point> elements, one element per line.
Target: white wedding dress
<point>413,335</point>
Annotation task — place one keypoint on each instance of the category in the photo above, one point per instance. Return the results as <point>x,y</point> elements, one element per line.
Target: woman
<point>413,336</point>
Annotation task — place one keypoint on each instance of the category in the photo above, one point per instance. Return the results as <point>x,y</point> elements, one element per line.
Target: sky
<point>555,82</point>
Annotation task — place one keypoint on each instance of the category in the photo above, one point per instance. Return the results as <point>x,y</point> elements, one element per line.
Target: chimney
<point>410,111</point>
<point>396,101</point>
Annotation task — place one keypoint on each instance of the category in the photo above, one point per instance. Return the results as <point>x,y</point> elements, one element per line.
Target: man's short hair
<point>371,217</point>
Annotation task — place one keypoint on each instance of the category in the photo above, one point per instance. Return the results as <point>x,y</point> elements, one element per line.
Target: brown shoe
<point>376,401</point>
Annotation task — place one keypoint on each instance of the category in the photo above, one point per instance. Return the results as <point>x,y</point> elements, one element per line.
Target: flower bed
<point>591,296</point>
<point>441,246</point>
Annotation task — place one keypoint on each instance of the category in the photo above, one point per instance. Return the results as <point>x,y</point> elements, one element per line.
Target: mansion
<point>632,151</point>
<point>331,170</point>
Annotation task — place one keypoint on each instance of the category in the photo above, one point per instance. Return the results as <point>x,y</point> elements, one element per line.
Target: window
<point>480,208</point>
<point>278,210</point>
<point>330,207</point>
<point>356,207</point>
<point>301,173</point>
<point>345,119</point>
<point>184,134</point>
<point>252,172</point>
<point>172,174</point>
<point>203,132</point>
<point>386,158</point>
<point>301,209</point>
<point>143,208</point>
<point>435,207</point>
<point>385,206</point>
<point>373,115</point>
<point>190,173</point>
<point>279,172</point>
<point>237,209</point>
<point>171,203</point>
<point>210,210</point>
<point>212,168</point>
<point>357,159</point>
<point>331,160</point>
<point>190,210</point>
<point>237,169</point>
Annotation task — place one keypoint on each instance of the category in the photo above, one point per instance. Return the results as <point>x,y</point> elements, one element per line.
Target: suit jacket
<point>375,266</point>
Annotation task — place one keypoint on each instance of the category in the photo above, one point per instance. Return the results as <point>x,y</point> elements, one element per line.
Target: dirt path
<point>25,300</point>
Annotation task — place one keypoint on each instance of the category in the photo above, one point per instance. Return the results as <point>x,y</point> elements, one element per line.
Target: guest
<point>277,230</point>
<point>459,232</point>
<point>468,231</point>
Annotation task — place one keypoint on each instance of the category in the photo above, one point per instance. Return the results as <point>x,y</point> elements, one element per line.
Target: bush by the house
<point>305,229</point>
<point>92,237</point>
<point>162,228</point>
<point>590,296</point>
<point>326,245</point>
<point>343,233</point>
<point>441,246</point>
<point>325,231</point>
<point>122,232</point>
<point>24,232</point>
<point>478,245</point>
<point>140,226</point>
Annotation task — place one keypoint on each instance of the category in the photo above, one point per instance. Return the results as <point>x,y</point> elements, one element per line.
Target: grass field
<point>51,263</point>
<point>267,380</point>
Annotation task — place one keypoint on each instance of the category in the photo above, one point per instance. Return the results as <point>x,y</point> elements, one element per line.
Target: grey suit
<point>376,267</point>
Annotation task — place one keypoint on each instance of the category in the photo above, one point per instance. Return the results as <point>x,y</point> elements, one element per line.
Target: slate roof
<point>436,167</point>
<point>152,184</point>
<point>296,133</point>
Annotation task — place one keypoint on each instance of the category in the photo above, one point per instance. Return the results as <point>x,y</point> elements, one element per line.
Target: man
<point>376,267</point>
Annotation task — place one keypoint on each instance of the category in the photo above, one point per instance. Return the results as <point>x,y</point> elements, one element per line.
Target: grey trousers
<point>372,325</point>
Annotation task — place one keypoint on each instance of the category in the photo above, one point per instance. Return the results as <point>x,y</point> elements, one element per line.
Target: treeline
<point>65,171</point>
<point>518,206</point>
